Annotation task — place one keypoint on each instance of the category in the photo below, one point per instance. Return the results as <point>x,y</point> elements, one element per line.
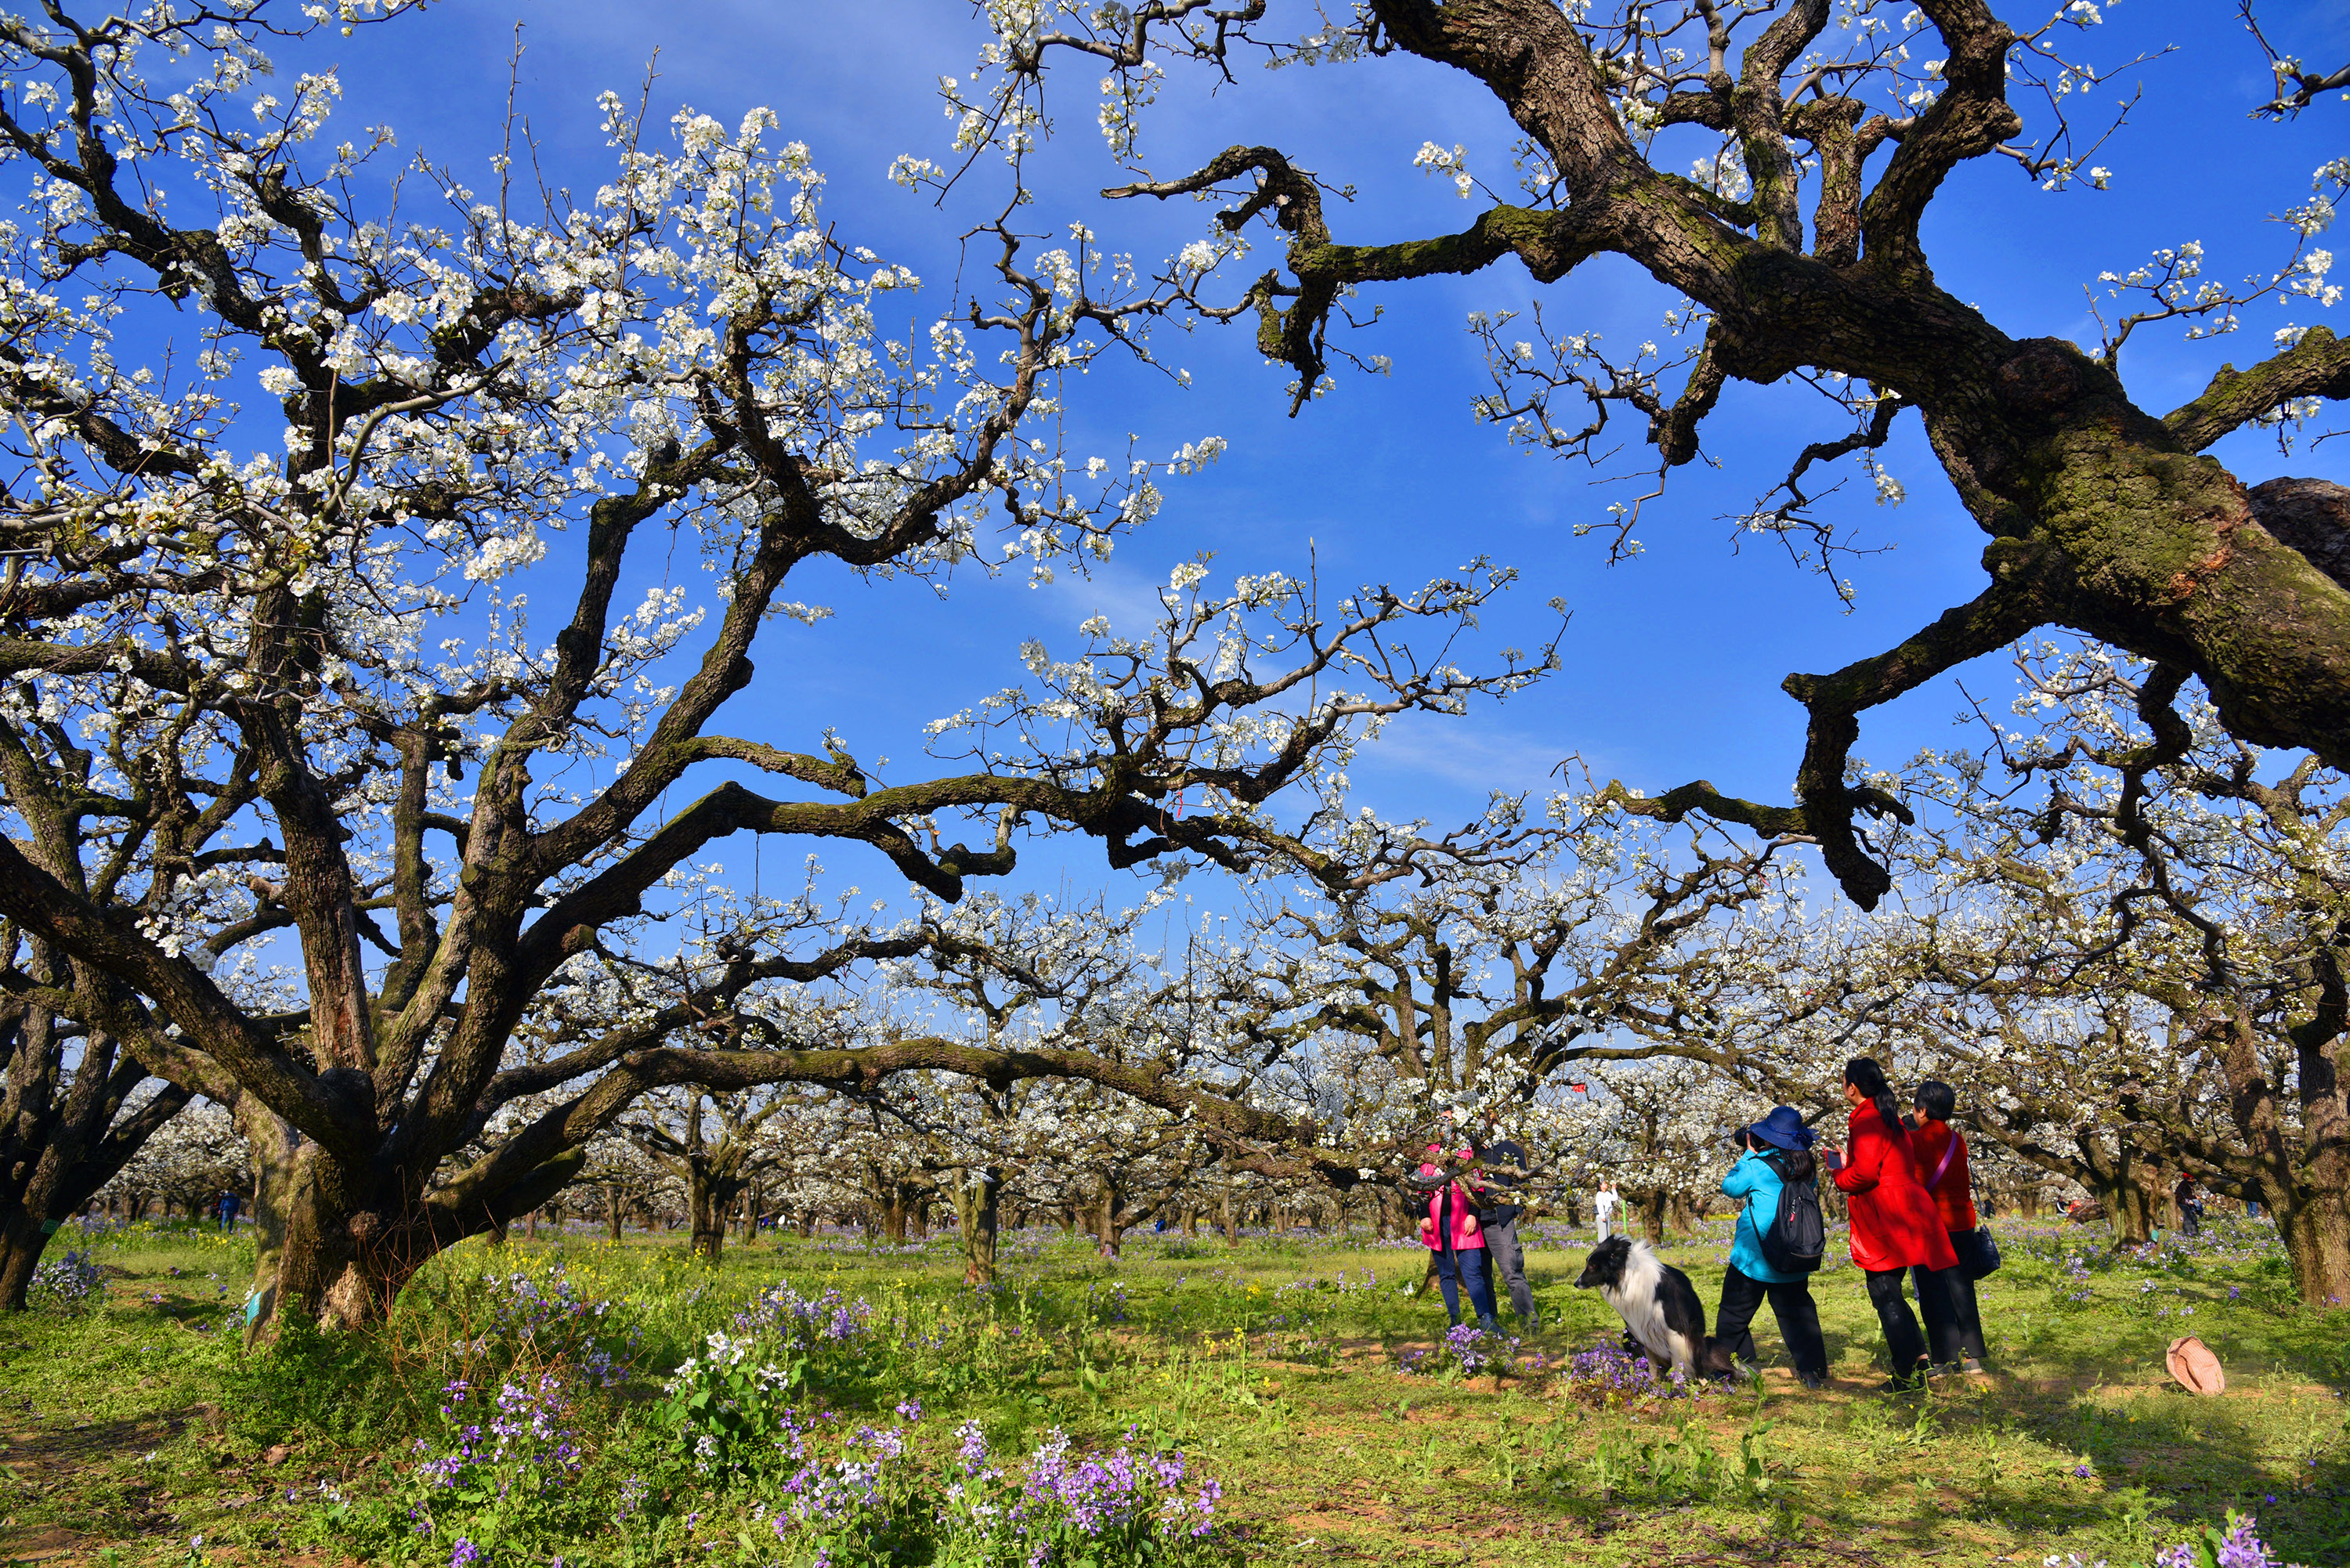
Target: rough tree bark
<point>2304,1181</point>
<point>2122,1179</point>
<point>1109,1220</point>
<point>705,1204</point>
<point>1650,1207</point>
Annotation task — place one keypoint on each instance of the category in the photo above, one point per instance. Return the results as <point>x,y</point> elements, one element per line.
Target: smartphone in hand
<point>1832,1157</point>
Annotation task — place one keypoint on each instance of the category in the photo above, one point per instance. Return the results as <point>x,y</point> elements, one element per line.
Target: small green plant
<point>2137,1505</point>
<point>347,1387</point>
<point>1753,1479</point>
<point>729,1413</point>
<point>1684,1467</point>
<point>2270,1286</point>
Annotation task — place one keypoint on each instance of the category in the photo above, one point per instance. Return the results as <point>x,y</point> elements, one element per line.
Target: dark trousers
<point>1791,1303</point>
<point>1505,1261</point>
<point>1953,1322</point>
<point>1464,1265</point>
<point>1903,1341</point>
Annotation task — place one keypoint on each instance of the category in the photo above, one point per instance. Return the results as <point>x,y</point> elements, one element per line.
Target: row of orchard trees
<point>2118,940</point>
<point>309,821</point>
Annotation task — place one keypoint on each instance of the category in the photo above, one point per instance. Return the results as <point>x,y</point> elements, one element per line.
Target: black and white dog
<point>1658,1306</point>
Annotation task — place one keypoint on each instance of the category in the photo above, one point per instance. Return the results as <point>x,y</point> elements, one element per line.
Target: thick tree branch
<point>2317,366</point>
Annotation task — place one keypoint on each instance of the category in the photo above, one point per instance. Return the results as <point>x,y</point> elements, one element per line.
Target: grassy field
<point>1292,1372</point>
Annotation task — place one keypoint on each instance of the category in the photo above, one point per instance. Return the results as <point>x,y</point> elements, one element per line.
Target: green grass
<point>134,1429</point>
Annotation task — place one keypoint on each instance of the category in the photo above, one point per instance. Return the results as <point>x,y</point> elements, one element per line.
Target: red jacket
<point>1954,1194</point>
<point>1893,1225</point>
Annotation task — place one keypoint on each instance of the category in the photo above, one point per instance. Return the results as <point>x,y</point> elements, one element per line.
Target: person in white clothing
<point>1603,1204</point>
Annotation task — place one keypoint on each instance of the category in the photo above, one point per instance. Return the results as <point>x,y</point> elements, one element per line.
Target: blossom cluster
<point>1608,1371</point>
<point>1470,1347</point>
<point>527,1442</point>
<point>2236,1545</point>
<point>70,1283</point>
<point>1066,1508</point>
<point>872,1500</point>
<point>798,1320</point>
<point>840,1492</point>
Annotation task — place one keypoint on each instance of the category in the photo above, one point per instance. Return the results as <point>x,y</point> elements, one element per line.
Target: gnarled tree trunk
<point>1108,1229</point>
<point>978,1196</point>
<point>706,1200</point>
<point>1651,1206</point>
<point>2306,1180</point>
<point>61,1142</point>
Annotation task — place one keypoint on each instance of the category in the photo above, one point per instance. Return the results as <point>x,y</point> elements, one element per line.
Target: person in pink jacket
<point>1449,1229</point>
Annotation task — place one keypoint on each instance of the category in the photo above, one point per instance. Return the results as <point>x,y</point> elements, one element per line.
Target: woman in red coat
<point>1895,1226</point>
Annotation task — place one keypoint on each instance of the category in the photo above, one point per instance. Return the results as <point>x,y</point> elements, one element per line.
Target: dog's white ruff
<point>1638,1300</point>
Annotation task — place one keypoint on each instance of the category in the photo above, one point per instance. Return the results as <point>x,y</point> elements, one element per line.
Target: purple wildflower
<point>973,1452</point>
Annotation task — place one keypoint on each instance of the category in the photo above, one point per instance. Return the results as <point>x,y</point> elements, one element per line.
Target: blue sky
<point>1673,660</point>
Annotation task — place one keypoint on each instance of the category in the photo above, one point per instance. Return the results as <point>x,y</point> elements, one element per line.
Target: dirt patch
<point>49,1453</point>
<point>47,1544</point>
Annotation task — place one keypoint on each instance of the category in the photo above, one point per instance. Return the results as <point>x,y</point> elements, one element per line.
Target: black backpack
<point>1797,1237</point>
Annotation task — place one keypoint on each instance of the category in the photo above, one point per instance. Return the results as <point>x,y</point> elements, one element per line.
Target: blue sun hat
<point>1783,1128</point>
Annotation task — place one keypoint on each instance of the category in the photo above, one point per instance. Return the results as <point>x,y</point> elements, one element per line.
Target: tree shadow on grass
<point>54,1452</point>
<point>2181,1462</point>
<point>64,1460</point>
<point>2311,1523</point>
<point>191,1313</point>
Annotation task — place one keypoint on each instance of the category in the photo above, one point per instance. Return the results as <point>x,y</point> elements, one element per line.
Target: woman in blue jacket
<point>1773,1150</point>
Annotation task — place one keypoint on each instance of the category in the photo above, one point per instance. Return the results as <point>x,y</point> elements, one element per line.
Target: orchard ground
<point>1290,1370</point>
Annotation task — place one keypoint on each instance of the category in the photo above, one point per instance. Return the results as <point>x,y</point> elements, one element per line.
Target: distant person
<point>1771,1153</point>
<point>1449,1229</point>
<point>2189,1199</point>
<point>1603,1205</point>
<point>1895,1227</point>
<point>1500,1196</point>
<point>1953,1319</point>
<point>229,1204</point>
